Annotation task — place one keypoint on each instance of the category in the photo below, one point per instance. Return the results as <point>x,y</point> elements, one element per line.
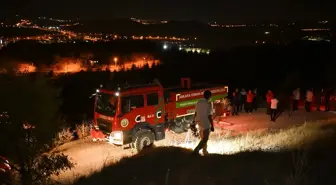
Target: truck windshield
<point>106,104</point>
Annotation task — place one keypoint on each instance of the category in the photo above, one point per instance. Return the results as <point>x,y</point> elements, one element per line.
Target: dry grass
<point>259,140</point>
<point>298,155</point>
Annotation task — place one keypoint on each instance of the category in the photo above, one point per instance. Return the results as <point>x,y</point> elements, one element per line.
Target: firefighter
<point>249,101</point>
<point>203,117</point>
<point>269,97</point>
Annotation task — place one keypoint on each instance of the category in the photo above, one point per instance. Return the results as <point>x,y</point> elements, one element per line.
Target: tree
<point>31,106</point>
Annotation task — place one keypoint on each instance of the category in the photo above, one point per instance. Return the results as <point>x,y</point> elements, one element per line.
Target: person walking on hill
<point>249,101</point>
<point>274,108</point>
<point>203,117</point>
<point>296,99</point>
<point>269,97</point>
<point>309,100</point>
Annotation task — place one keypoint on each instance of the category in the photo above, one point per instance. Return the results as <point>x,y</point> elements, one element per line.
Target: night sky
<point>224,10</point>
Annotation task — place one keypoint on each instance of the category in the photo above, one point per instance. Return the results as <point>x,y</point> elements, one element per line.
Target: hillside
<point>128,27</point>
<point>307,164</point>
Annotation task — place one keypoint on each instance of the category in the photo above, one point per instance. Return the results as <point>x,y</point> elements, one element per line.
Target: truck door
<point>155,107</point>
<point>133,110</point>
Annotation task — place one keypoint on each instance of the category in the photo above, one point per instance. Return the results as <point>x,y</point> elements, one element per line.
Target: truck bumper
<point>116,138</point>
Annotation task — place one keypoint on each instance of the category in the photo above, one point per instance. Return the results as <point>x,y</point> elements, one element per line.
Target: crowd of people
<point>248,101</point>
<point>244,101</point>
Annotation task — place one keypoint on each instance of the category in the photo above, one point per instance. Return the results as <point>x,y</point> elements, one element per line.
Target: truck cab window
<point>129,103</point>
<point>106,104</point>
<point>152,99</point>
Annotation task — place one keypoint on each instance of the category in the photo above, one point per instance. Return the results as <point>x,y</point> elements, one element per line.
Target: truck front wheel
<point>143,138</point>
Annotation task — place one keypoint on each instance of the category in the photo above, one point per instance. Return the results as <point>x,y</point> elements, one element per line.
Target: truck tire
<point>143,138</point>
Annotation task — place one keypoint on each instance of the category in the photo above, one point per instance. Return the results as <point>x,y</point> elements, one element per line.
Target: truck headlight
<point>117,135</point>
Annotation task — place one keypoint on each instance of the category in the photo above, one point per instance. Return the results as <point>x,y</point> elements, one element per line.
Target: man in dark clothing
<point>296,98</point>
<point>318,95</point>
<point>239,104</point>
<point>256,99</point>
<point>235,104</point>
<point>327,100</point>
<point>243,94</point>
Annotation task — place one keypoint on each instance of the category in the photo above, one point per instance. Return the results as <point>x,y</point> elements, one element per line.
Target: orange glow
<point>68,65</point>
<point>130,64</point>
<point>25,68</point>
<point>74,65</point>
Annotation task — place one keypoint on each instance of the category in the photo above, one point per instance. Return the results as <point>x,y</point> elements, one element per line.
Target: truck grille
<point>104,125</point>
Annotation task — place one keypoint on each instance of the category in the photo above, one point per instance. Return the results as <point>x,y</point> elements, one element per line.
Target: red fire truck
<point>140,115</point>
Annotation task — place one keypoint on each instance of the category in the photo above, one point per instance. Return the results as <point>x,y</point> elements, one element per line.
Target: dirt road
<point>92,156</point>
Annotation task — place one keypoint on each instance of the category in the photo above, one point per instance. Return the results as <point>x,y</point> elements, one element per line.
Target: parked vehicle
<point>139,115</point>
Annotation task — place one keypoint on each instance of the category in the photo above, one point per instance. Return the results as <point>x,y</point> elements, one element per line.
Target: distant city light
<point>267,33</point>
<point>165,46</point>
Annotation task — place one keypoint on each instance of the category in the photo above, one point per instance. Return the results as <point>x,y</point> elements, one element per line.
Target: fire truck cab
<point>131,115</point>
<point>140,115</point>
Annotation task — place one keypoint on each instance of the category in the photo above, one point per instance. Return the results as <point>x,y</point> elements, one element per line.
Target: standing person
<point>309,100</point>
<point>243,99</point>
<point>269,97</point>
<point>255,99</point>
<point>239,108</point>
<point>235,104</point>
<point>318,95</point>
<point>249,101</point>
<point>296,99</point>
<point>289,104</point>
<point>327,95</point>
<point>274,108</point>
<point>203,117</point>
